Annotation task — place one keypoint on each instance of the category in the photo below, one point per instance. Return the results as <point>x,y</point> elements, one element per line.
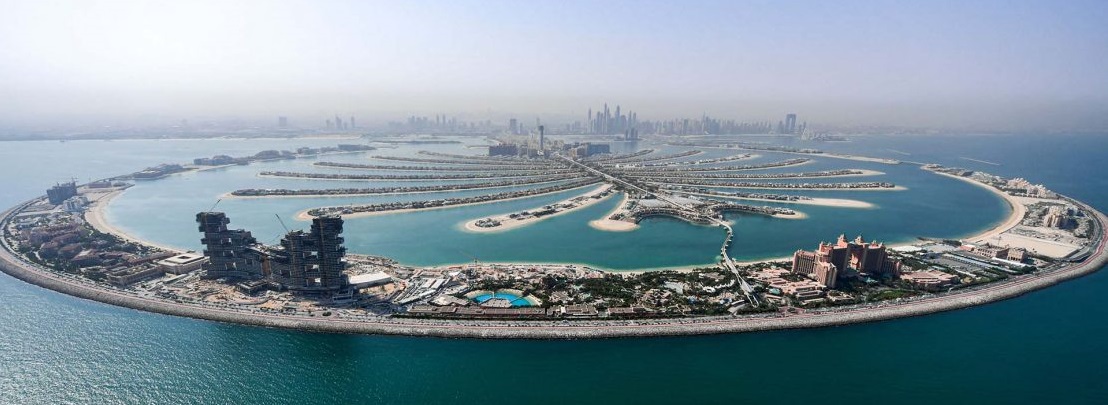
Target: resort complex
<point>311,279</point>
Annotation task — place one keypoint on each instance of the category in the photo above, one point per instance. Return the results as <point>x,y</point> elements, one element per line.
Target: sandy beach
<point>1018,209</point>
<point>96,217</point>
<point>795,215</point>
<point>612,225</point>
<point>1016,286</point>
<point>605,224</point>
<point>507,223</point>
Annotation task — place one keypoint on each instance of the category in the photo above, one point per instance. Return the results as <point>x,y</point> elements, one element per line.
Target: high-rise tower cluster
<point>605,123</point>
<point>304,261</point>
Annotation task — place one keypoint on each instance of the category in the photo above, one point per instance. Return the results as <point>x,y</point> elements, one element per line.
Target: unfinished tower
<point>313,261</point>
<point>228,250</point>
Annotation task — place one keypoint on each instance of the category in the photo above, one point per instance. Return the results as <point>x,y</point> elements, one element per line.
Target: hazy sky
<point>959,63</point>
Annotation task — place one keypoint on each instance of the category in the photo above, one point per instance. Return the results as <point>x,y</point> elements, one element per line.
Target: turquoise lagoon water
<point>515,300</point>
<point>932,206</point>
<point>1044,347</point>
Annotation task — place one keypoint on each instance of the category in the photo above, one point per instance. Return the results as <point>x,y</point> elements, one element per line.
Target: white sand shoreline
<point>608,225</point>
<point>507,223</point>
<point>96,216</point>
<point>1018,210</point>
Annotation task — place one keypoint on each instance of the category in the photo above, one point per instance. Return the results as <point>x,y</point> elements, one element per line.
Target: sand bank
<point>605,224</point>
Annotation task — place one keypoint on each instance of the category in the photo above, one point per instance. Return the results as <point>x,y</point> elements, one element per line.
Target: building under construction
<point>307,262</point>
<point>229,251</point>
<point>311,261</point>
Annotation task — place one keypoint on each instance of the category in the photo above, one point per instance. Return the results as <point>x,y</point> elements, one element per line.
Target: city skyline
<point>985,66</point>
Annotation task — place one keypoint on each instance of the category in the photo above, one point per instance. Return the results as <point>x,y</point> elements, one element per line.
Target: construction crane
<point>475,260</point>
<point>282,223</point>
<point>213,205</point>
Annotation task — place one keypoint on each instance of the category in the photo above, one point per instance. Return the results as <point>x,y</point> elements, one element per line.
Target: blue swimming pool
<point>516,300</point>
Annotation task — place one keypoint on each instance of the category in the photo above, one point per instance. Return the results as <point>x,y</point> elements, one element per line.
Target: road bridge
<point>747,289</point>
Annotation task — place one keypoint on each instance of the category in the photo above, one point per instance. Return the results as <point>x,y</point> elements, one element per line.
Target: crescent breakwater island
<point>866,186</point>
<point>631,168</point>
<point>308,281</point>
<point>768,197</point>
<point>783,149</point>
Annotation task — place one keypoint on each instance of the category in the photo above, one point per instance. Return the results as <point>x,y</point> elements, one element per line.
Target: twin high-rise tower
<point>789,126</point>
<point>310,262</point>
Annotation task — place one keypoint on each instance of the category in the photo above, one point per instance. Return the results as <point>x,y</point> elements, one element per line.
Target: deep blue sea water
<point>1045,347</point>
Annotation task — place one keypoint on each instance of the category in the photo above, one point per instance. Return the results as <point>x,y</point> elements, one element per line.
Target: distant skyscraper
<point>617,127</point>
<point>542,139</point>
<point>513,126</point>
<point>605,125</point>
<point>790,123</point>
<point>282,122</point>
<point>351,122</point>
<point>588,123</point>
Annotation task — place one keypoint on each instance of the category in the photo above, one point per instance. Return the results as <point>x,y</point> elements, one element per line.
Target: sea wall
<point>33,274</point>
<point>548,330</point>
